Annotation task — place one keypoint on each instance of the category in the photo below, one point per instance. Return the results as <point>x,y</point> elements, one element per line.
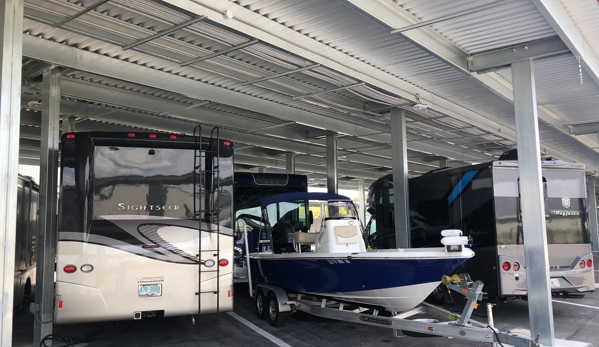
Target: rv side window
<point>371,234</point>
<point>371,228</point>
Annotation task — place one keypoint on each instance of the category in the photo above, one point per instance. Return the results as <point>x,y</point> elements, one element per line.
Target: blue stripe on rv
<point>461,185</point>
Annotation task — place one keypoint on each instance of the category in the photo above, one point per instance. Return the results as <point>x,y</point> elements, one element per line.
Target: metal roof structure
<point>278,76</point>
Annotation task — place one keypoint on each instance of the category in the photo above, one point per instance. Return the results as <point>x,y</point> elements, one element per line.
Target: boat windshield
<point>291,212</point>
<point>340,209</point>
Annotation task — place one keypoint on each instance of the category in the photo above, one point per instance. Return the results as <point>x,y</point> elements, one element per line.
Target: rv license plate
<point>150,290</point>
<point>554,283</point>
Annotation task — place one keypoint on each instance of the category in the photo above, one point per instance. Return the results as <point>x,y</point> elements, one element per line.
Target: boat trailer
<point>274,303</point>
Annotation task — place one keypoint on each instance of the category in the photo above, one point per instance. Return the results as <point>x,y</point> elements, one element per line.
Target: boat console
<point>340,236</point>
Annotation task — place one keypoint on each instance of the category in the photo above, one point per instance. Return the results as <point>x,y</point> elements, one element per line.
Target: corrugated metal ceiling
<point>510,23</point>
<point>337,25</point>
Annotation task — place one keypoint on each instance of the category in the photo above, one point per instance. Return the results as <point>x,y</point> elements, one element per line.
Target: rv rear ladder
<point>206,210</point>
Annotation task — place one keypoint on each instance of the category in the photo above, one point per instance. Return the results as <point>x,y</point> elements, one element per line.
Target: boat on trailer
<point>317,248</point>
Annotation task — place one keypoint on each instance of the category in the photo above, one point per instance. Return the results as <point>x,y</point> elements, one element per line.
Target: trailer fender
<point>285,305</point>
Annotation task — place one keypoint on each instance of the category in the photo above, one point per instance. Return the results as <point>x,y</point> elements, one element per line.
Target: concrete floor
<point>577,320</point>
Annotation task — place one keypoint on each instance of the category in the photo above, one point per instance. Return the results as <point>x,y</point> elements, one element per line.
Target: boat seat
<point>347,234</point>
<point>316,225</point>
<point>303,241</point>
<point>282,238</point>
<point>301,237</point>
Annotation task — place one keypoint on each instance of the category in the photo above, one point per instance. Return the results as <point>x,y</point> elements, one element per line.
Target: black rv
<point>483,201</point>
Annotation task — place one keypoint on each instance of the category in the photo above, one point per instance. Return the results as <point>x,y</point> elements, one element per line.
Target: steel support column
<point>290,163</point>
<point>592,204</point>
<point>11,34</point>
<point>332,179</point>
<point>46,236</point>
<point>68,125</point>
<point>531,194</point>
<point>399,148</point>
<point>361,201</point>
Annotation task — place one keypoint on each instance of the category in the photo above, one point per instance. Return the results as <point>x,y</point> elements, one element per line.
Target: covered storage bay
<point>344,91</point>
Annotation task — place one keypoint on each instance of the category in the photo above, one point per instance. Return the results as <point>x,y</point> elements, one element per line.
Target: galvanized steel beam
<point>290,163</point>
<point>582,129</point>
<point>11,27</point>
<point>362,202</point>
<point>592,204</point>
<point>48,205</point>
<point>533,213</point>
<point>401,208</point>
<point>69,124</point>
<point>332,174</point>
<point>486,62</point>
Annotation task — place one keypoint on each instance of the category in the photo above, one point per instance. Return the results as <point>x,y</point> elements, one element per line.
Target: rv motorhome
<point>145,226</point>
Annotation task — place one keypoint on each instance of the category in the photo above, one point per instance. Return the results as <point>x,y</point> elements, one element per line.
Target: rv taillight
<point>223,262</point>
<point>152,136</point>
<point>506,266</point>
<point>70,136</point>
<point>516,266</point>
<point>589,263</point>
<point>60,304</point>
<point>581,264</point>
<point>70,269</point>
<point>227,143</point>
<point>131,134</point>
<point>150,246</point>
<point>172,136</point>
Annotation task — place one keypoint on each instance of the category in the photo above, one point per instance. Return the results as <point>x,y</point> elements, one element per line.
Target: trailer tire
<point>276,318</point>
<point>261,304</point>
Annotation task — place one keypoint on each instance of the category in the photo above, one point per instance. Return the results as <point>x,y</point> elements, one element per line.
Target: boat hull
<point>397,284</point>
